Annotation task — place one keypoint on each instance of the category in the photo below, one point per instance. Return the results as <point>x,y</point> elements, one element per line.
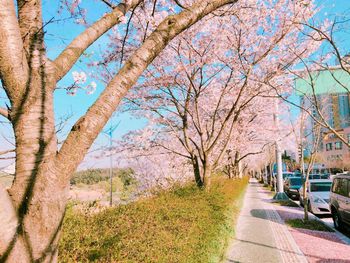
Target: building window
<point>329,146</point>
<point>338,145</point>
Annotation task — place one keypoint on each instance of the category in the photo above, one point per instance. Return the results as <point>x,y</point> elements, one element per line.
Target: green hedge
<point>182,225</point>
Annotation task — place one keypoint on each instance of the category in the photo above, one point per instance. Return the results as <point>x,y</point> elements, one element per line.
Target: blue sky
<point>58,35</point>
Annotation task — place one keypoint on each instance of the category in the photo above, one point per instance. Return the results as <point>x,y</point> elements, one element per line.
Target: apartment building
<point>328,91</point>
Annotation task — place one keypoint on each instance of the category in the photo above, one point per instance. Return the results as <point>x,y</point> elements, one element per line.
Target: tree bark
<point>207,171</point>
<point>38,194</point>
<point>197,171</point>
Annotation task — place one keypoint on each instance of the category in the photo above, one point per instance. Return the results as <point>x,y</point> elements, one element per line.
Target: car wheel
<point>301,202</point>
<point>338,224</point>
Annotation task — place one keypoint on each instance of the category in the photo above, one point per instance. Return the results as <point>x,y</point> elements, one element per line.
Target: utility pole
<point>280,195</point>
<point>109,133</point>
<point>279,168</point>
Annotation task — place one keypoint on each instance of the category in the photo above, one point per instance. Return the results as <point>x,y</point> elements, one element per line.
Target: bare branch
<point>7,151</point>
<point>75,49</point>
<point>108,3</point>
<point>5,113</point>
<point>179,4</point>
<point>126,33</point>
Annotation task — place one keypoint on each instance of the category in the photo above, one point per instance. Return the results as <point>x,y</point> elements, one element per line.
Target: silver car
<point>318,191</point>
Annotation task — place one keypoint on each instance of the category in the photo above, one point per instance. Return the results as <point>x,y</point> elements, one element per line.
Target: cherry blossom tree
<point>32,211</point>
<point>212,87</point>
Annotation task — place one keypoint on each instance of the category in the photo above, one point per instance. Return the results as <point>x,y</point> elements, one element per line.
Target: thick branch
<point>75,49</point>
<point>8,221</point>
<point>31,25</point>
<point>13,64</point>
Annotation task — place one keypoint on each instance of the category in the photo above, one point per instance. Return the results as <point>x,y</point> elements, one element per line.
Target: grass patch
<point>310,224</point>
<point>182,225</point>
<point>289,203</point>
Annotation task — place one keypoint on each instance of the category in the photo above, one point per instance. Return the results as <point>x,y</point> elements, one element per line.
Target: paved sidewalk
<point>261,235</point>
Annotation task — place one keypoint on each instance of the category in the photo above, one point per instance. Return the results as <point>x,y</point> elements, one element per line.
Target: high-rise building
<point>327,92</point>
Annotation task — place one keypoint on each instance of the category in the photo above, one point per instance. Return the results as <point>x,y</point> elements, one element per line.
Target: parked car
<point>318,191</point>
<point>285,175</point>
<point>292,185</point>
<point>340,201</point>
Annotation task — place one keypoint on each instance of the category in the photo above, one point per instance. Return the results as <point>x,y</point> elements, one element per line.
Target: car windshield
<point>325,176</point>
<point>295,181</point>
<point>315,176</point>
<point>321,187</point>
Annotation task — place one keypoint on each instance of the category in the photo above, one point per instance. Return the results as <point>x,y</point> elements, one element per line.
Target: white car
<point>318,191</point>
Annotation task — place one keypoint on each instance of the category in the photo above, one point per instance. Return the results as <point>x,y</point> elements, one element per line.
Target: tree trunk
<point>305,199</point>
<point>229,171</point>
<point>207,169</point>
<point>239,169</point>
<point>38,193</point>
<point>238,165</point>
<point>197,171</point>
